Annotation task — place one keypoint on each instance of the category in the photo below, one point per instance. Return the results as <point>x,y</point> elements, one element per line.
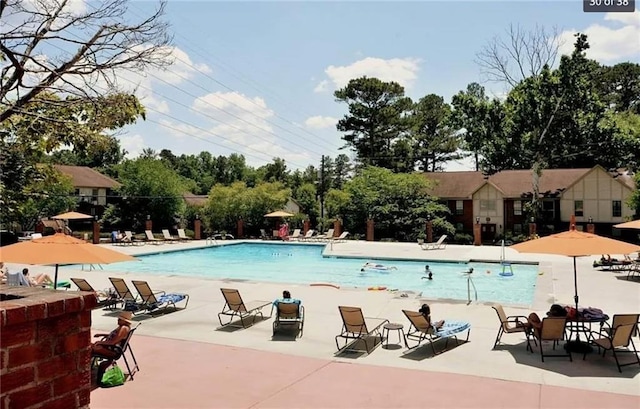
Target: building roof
<point>516,183</point>
<point>513,183</point>
<point>456,185</point>
<point>83,176</point>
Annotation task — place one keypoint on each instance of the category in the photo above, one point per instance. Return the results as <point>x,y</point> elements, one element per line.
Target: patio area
<point>186,360</point>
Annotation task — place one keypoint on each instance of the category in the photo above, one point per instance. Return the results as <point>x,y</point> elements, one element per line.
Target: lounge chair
<point>168,237</point>
<point>153,301</point>
<point>182,235</point>
<point>288,314</point>
<point>150,237</point>
<point>17,279</point>
<point>120,351</point>
<point>295,235</point>
<point>618,336</point>
<point>510,324</point>
<point>354,327</point>
<point>235,307</point>
<point>105,298</point>
<point>324,237</point>
<point>421,330</point>
<point>341,238</point>
<point>549,329</point>
<point>308,235</point>
<point>128,237</point>
<point>125,296</point>
<point>222,236</point>
<point>435,246</point>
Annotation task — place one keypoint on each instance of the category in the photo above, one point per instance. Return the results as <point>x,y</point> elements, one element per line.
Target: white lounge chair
<point>168,237</point>
<point>435,246</point>
<point>295,235</point>
<point>151,238</point>
<point>341,238</point>
<point>325,237</point>
<point>307,236</point>
<point>182,235</point>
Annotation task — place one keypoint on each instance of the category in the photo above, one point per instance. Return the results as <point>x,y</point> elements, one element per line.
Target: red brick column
<point>370,230</point>
<point>429,231</point>
<point>197,226</point>
<point>45,348</point>
<point>96,232</point>
<point>337,228</point>
<point>591,228</point>
<point>306,227</point>
<point>532,230</point>
<point>240,229</point>
<point>148,225</point>
<point>477,234</point>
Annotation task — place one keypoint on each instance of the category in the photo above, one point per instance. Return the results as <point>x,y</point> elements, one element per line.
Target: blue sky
<point>257,77</point>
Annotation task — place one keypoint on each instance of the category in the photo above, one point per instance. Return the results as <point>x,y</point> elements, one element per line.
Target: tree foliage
<point>149,188</point>
<point>435,141</point>
<point>377,117</point>
<point>399,204</point>
<point>228,204</point>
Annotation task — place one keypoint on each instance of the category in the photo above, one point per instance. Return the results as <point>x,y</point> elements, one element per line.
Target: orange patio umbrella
<point>575,244</point>
<point>635,224</point>
<point>60,249</point>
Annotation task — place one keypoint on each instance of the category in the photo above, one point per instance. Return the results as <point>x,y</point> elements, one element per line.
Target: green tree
<point>151,188</point>
<point>227,204</point>
<point>469,115</point>
<point>27,138</point>
<point>634,199</point>
<point>435,141</point>
<point>398,203</point>
<point>619,86</point>
<point>307,197</point>
<point>46,196</point>
<point>342,171</point>
<point>376,118</point>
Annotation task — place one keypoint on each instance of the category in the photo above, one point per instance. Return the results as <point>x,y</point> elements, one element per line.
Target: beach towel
<point>451,328</point>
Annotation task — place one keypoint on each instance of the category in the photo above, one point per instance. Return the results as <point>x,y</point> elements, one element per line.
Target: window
<point>578,208</point>
<point>517,229</point>
<point>486,205</point>
<point>77,192</point>
<point>459,207</point>
<point>616,208</point>
<point>94,195</point>
<point>517,207</point>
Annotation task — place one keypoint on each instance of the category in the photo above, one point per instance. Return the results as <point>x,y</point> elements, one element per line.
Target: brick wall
<point>45,348</point>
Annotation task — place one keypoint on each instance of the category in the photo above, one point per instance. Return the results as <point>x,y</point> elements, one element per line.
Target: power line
<point>231,89</point>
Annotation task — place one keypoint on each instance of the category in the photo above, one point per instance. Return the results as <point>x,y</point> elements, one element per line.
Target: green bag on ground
<point>112,377</point>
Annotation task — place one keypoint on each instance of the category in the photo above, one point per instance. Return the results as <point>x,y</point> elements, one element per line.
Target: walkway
<point>186,374</point>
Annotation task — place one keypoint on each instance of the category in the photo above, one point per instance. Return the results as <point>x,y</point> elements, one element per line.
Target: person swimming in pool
<point>375,266</point>
<point>429,277</point>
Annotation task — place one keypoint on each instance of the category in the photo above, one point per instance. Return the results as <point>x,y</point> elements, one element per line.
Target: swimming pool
<point>286,263</point>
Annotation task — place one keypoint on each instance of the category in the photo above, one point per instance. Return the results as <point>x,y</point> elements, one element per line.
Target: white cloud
<point>618,40</point>
<point>322,86</point>
<point>401,70</point>
<point>133,144</point>
<point>320,122</point>
<point>240,124</point>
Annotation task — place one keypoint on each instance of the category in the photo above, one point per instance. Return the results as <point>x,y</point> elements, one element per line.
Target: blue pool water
<point>305,264</point>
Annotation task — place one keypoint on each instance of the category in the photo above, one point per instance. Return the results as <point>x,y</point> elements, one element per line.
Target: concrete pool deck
<point>198,325</point>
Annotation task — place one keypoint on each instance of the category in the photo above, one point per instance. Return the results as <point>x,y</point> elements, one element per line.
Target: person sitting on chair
<point>4,271</point>
<point>37,280</point>
<point>426,312</point>
<point>103,348</point>
<point>286,298</point>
